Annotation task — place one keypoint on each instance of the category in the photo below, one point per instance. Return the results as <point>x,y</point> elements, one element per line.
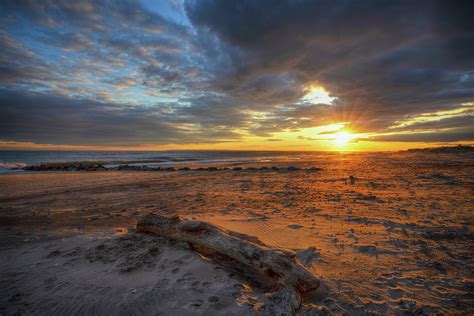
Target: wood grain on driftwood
<point>274,268</point>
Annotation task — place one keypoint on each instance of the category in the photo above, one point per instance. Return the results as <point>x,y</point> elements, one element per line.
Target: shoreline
<point>221,159</point>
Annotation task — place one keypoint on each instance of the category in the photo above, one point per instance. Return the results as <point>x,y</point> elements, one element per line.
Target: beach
<point>386,233</point>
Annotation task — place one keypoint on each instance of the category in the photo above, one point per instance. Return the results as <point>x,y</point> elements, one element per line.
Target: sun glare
<point>317,94</point>
<point>342,138</point>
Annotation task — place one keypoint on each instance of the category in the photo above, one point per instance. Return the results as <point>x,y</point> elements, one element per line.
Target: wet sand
<point>395,238</point>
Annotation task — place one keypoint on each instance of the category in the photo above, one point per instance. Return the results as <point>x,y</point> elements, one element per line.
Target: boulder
<point>314,169</point>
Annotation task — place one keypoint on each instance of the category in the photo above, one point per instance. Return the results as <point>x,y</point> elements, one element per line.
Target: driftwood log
<point>273,268</point>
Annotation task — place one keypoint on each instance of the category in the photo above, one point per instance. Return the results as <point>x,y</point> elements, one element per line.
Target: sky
<point>253,75</point>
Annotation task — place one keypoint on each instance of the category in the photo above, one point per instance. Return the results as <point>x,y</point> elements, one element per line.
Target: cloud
<point>43,118</point>
<point>274,140</point>
<point>383,57</point>
<point>214,71</point>
<point>430,137</point>
<point>309,138</point>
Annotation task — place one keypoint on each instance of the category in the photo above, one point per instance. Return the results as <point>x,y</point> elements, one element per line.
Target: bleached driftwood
<point>275,268</point>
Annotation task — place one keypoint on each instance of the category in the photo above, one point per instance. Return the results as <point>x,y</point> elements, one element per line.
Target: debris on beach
<point>308,256</point>
<point>276,269</point>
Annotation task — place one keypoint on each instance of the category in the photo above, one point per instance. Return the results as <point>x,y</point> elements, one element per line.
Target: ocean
<point>9,159</point>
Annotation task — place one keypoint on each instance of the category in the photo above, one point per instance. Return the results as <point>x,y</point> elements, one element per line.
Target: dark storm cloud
<point>130,72</point>
<point>391,58</point>
<point>431,137</point>
<point>269,90</point>
<point>213,111</point>
<point>443,123</point>
<point>40,118</point>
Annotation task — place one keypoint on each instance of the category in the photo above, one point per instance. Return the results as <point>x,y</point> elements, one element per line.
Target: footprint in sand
<point>186,279</point>
<point>214,299</point>
<point>162,283</point>
<point>196,304</point>
<point>177,262</point>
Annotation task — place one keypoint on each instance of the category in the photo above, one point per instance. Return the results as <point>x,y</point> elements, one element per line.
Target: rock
<point>185,169</point>
<point>276,269</point>
<point>274,168</point>
<point>130,168</point>
<point>314,169</point>
<point>352,179</point>
<point>295,226</point>
<point>264,168</point>
<point>237,168</point>
<point>212,169</point>
<point>71,167</point>
<point>293,168</point>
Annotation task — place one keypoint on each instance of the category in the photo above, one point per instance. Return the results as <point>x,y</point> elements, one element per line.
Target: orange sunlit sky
<point>247,75</point>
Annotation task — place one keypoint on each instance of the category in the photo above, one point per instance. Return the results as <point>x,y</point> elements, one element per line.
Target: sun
<point>342,138</point>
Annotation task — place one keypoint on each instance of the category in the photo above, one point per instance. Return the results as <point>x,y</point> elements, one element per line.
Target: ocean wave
<point>11,165</point>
